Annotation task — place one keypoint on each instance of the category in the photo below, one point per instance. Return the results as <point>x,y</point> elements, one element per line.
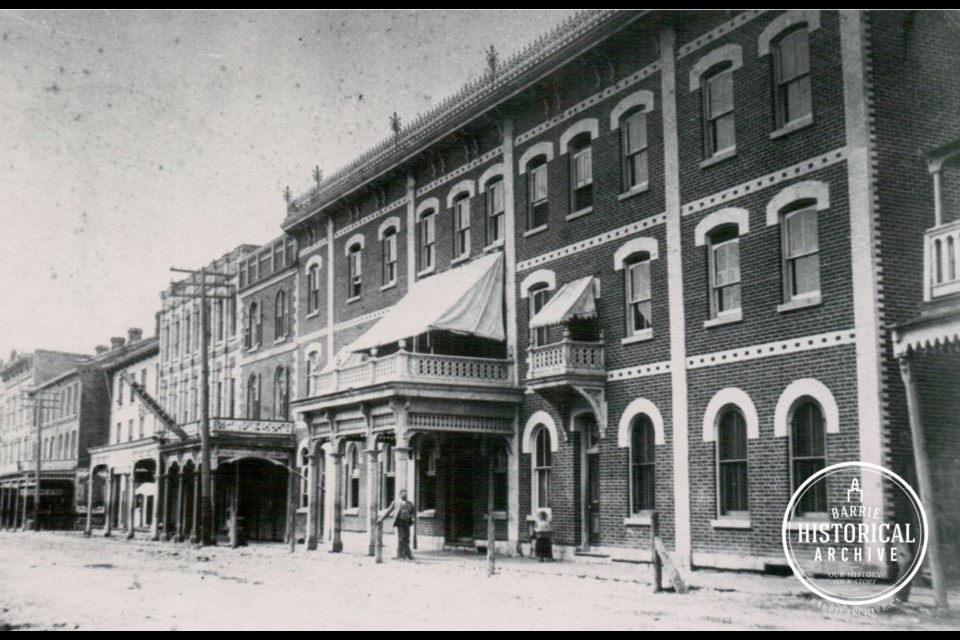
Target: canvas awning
<point>573,300</point>
<point>468,299</point>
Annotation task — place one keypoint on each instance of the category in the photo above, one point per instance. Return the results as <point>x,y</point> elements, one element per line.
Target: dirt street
<point>63,581</point>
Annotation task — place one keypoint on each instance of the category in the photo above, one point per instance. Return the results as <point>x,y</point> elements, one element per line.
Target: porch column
<point>925,481</point>
<point>213,499</point>
<point>404,473</point>
<point>179,515</point>
<point>108,506</point>
<point>131,503</point>
<point>337,501</point>
<point>4,506</point>
<point>194,529</point>
<point>88,523</point>
<point>16,506</point>
<point>157,510</point>
<point>26,500</point>
<point>313,498</point>
<point>373,475</point>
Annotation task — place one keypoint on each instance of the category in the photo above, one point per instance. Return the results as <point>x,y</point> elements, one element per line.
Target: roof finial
<point>287,195</point>
<point>317,176</point>
<point>395,124</point>
<point>493,60</point>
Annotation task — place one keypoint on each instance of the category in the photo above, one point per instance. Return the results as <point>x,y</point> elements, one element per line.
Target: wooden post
<point>159,508</point>
<point>88,522</point>
<point>16,506</point>
<point>491,526</point>
<point>292,505</point>
<point>4,506</point>
<point>337,546</point>
<point>234,517</point>
<point>194,521</point>
<point>925,481</point>
<point>373,494</point>
<point>26,500</point>
<point>108,506</point>
<point>654,554</point>
<point>131,503</point>
<point>313,500</point>
<point>179,515</point>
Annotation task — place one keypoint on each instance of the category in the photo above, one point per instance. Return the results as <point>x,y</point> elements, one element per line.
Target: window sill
<point>280,340</point>
<point>353,299</point>
<point>429,514</point>
<point>643,336</point>
<point>351,512</point>
<point>719,157</point>
<point>800,303</point>
<point>731,523</point>
<point>493,245</point>
<point>790,127</point>
<point>728,318</point>
<point>640,188</point>
<point>497,515</point>
<point>253,349</point>
<point>389,285</point>
<point>426,272</point>
<point>578,214</point>
<point>796,525</point>
<point>314,314</point>
<point>460,259</point>
<point>534,231</point>
<point>637,521</point>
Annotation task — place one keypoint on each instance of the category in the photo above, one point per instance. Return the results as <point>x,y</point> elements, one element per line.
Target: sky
<point>133,141</point>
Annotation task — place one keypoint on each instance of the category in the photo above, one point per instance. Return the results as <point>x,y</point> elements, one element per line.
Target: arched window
<point>732,462</point>
<point>304,478</point>
<point>791,76</point>
<point>718,123</point>
<point>643,477</point>
<point>428,240</point>
<point>427,455</point>
<point>282,313</point>
<point>461,226</point>
<point>281,395</point>
<point>633,135</point>
<point>253,397</point>
<point>388,483</point>
<point>581,172</point>
<point>495,210</point>
<point>638,294</point>
<point>353,477</point>
<point>723,250</point>
<point>254,331</point>
<point>354,271</point>
<point>542,465</point>
<point>538,212</point>
<point>808,454</point>
<point>313,368</point>
<point>539,296</point>
<point>313,289</point>
<point>388,249</point>
<point>801,251</point>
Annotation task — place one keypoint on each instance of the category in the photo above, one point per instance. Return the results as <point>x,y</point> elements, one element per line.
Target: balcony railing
<point>45,465</point>
<point>239,425</point>
<point>942,258</point>
<point>566,358</point>
<point>416,367</point>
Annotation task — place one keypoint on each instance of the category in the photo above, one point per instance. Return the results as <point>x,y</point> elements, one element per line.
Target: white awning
<point>573,300</point>
<point>468,299</point>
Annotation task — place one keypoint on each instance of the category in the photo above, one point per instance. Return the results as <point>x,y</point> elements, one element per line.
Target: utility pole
<point>206,478</point>
<point>39,404</point>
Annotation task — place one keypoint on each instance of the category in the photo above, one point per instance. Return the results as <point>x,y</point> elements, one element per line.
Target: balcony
<point>942,261</point>
<point>241,426</point>
<point>565,361</point>
<point>406,367</point>
<point>31,465</point>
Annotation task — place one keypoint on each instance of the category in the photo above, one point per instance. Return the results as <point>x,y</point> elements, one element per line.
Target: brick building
<point>707,225</point>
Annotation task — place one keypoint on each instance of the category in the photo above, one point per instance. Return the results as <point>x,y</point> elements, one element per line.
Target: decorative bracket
<point>596,398</point>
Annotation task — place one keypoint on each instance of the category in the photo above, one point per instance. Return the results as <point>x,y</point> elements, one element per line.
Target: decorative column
<point>108,506</point>
<point>337,546</point>
<point>16,506</point>
<point>159,494</point>
<point>131,503</point>
<point>194,528</point>
<point>88,522</point>
<point>313,498</point>
<point>179,516</point>
<point>26,500</point>
<point>373,475</point>
<point>4,506</point>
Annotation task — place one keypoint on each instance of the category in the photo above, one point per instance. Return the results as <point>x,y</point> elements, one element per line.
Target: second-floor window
<point>389,250</point>
<point>461,226</point>
<point>801,250</point>
<point>253,397</point>
<point>718,124</point>
<point>538,211</point>
<point>428,241</point>
<point>792,77</point>
<point>355,271</point>
<point>634,134</point>
<point>724,256</point>
<point>539,296</point>
<point>495,211</point>
<point>581,173</point>
<point>639,311</point>
<point>281,394</point>
<point>254,330</point>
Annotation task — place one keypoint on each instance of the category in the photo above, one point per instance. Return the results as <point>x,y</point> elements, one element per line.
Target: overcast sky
<point>136,141</point>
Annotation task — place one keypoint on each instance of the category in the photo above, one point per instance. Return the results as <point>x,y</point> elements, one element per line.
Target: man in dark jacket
<point>404,514</point>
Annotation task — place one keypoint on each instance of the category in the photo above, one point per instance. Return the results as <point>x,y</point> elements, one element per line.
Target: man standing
<point>403,513</point>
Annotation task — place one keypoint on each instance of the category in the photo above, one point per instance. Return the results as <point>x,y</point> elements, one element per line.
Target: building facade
<point>650,263</point>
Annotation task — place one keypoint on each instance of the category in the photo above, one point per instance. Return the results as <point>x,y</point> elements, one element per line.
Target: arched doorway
<point>588,489</point>
<point>144,492</point>
<point>257,490</point>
